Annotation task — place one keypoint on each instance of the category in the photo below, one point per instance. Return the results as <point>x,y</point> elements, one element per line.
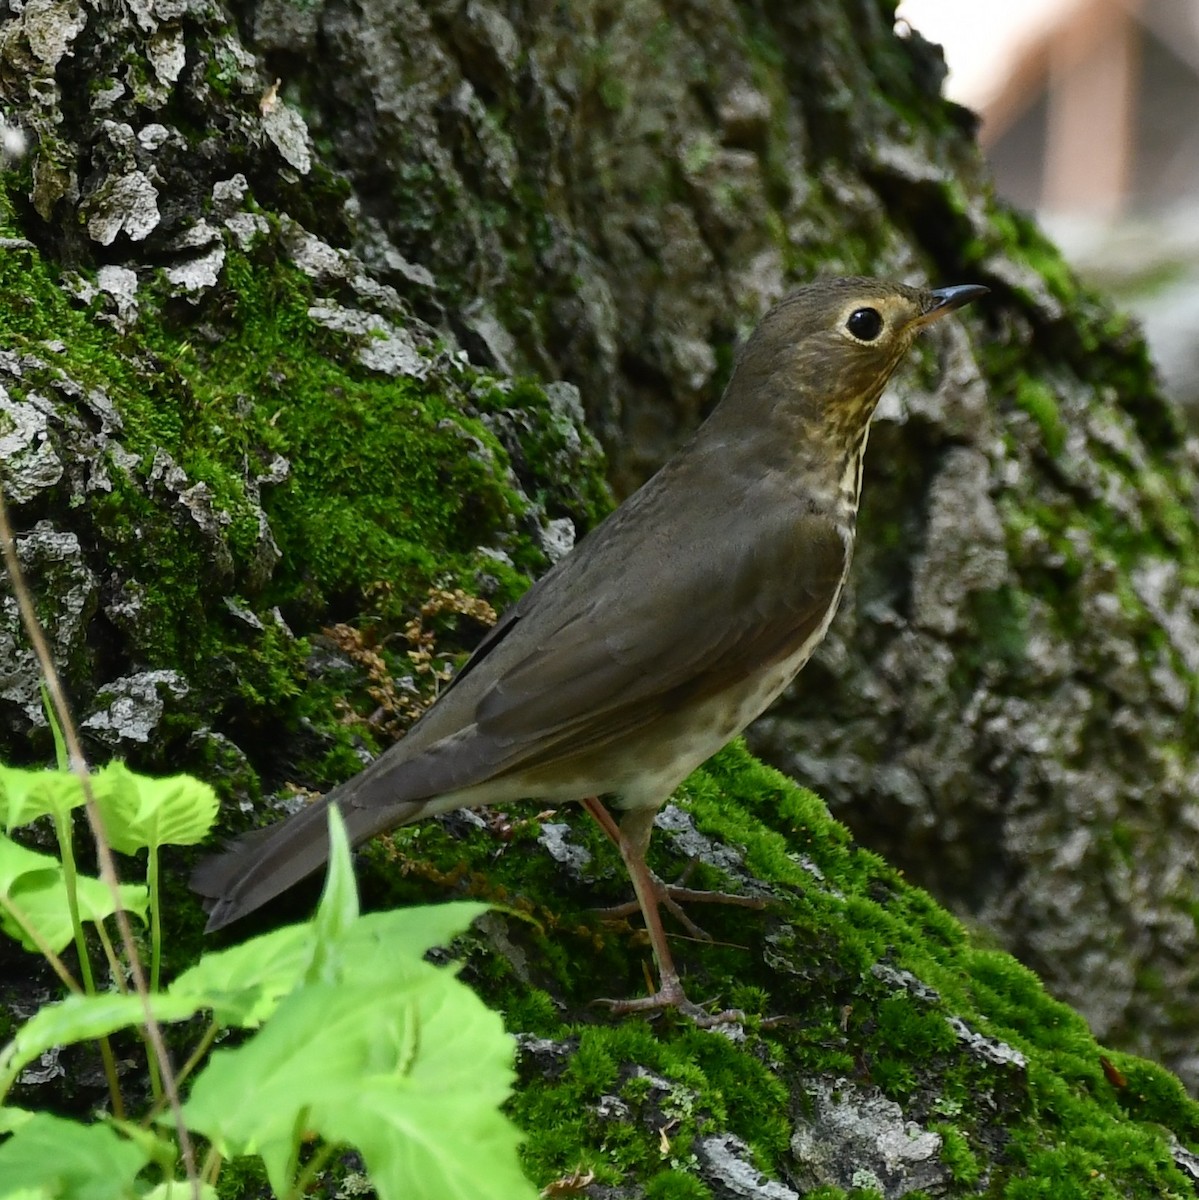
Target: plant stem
<point>108,870</point>
<point>155,920</point>
<point>193,1061</point>
<point>314,1166</point>
<point>155,961</point>
<point>66,848</point>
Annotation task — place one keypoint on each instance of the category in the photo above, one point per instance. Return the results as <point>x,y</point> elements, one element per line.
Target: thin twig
<point>108,871</point>
<point>313,1168</point>
<point>110,954</point>
<point>193,1061</point>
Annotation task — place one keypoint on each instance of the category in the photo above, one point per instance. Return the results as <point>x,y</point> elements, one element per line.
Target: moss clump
<point>1037,399</point>
<point>869,982</point>
<point>261,481</point>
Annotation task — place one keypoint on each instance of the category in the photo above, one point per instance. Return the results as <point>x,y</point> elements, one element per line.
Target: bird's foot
<point>672,897</point>
<point>671,996</point>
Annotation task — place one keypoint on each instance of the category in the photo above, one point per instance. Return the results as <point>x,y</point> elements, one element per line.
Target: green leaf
<point>140,812</point>
<point>11,1118</point>
<point>435,1131</point>
<point>34,883</point>
<point>18,862</point>
<point>244,984</point>
<point>347,1004</point>
<point>26,795</point>
<point>137,811</point>
<point>338,908</point>
<point>413,1077</point>
<point>68,1161</point>
<point>176,1189</point>
<point>160,1150</point>
<point>81,1019</point>
<point>46,906</point>
<point>377,942</point>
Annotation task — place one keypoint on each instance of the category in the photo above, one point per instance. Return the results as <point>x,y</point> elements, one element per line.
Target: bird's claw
<point>672,896</point>
<point>673,997</point>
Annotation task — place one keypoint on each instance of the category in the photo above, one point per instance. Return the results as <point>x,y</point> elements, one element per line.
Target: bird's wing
<point>560,683</point>
<point>733,609</point>
<point>568,674</point>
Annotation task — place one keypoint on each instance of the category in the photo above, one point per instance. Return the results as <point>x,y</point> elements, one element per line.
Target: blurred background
<point>1090,119</point>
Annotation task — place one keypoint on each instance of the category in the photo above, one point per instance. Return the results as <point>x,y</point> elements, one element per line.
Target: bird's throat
<point>849,488</point>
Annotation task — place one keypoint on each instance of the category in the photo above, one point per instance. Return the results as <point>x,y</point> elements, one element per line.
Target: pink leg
<point>670,895</point>
<point>603,818</point>
<point>632,839</point>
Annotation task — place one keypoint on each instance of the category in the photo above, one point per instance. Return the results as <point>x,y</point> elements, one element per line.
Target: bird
<point>665,631</point>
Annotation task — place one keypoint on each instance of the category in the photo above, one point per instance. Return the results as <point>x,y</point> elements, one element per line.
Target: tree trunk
<point>269,279</point>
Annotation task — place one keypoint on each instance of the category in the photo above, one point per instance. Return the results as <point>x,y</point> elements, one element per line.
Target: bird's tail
<point>261,865</point>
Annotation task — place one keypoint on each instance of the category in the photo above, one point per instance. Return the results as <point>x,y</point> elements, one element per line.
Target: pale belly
<point>689,740</point>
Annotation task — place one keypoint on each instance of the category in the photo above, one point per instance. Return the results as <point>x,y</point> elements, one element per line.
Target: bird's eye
<point>865,324</point>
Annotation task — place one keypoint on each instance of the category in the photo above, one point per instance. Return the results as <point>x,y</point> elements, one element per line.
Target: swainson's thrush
<point>665,632</point>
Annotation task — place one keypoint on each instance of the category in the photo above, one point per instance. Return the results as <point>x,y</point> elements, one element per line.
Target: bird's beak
<point>947,299</point>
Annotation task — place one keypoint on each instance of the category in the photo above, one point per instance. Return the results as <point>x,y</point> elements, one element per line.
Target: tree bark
<point>270,275</point>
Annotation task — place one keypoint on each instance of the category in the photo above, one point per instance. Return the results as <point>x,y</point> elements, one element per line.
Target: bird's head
<point>824,354</point>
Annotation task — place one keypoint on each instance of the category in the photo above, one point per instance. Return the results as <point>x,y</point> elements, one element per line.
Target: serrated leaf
<point>436,1132</point>
<point>69,1161</point>
<point>412,1076</point>
<point>34,883</point>
<point>26,795</point>
<point>377,941</point>
<point>19,864</point>
<point>95,898</point>
<point>244,984</point>
<point>80,1018</point>
<point>140,812</point>
<point>250,1099</point>
<point>440,1150</point>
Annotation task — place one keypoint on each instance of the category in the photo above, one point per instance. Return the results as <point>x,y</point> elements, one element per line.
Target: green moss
<point>962,1163</point>
<point>549,440</point>
<point>709,1080</point>
<point>676,1185</point>
<point>391,488</point>
<point>999,618</point>
<point>397,480</point>
<point>1037,399</point>
<point>614,92</point>
<point>221,71</point>
<point>385,481</point>
<point>842,934</point>
<point>1020,238</point>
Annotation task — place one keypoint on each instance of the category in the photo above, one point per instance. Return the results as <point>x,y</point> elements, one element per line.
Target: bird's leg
<point>632,840</point>
<point>671,896</point>
<point>603,818</point>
